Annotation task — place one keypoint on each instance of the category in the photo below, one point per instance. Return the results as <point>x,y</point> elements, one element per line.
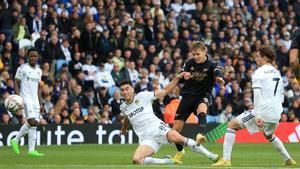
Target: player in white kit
<point>153,132</point>
<point>268,93</point>
<point>27,79</point>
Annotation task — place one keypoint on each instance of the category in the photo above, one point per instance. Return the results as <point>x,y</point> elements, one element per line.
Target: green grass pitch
<point>245,156</point>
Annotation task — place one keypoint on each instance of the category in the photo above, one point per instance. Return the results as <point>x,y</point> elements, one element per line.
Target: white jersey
<point>30,78</point>
<point>140,113</point>
<point>269,80</point>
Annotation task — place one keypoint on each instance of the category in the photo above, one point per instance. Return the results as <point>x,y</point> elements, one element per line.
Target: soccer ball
<point>13,103</point>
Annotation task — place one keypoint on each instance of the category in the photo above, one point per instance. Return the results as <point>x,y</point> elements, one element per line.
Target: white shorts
<point>155,137</point>
<point>30,111</point>
<point>247,120</point>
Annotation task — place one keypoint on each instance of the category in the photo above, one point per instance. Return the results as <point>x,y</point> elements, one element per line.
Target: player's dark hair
<point>125,82</point>
<point>267,52</point>
<point>33,50</point>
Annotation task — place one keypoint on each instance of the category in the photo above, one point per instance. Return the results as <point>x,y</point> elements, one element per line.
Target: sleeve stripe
<point>256,87</point>
<point>217,69</point>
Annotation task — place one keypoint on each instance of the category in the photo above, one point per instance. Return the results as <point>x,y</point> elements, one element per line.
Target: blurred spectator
<point>20,30</point>
<point>103,78</point>
<point>75,114</point>
<point>89,70</point>
<point>5,21</point>
<point>226,115</point>
<point>295,51</point>
<point>5,120</point>
<point>104,117</point>
<point>115,103</point>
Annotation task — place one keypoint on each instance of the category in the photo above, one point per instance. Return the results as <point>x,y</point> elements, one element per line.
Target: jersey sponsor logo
<point>199,76</point>
<point>135,112</point>
<point>33,79</point>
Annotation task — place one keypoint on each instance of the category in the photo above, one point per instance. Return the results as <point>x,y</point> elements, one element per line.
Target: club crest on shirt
<point>205,100</point>
<point>137,102</point>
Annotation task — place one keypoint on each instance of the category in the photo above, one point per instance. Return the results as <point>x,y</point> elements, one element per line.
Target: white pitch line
<point>151,166</point>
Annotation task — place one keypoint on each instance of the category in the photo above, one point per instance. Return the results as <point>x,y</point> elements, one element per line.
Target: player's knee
<point>137,160</point>
<point>178,125</point>
<point>32,122</point>
<point>232,125</point>
<point>269,137</point>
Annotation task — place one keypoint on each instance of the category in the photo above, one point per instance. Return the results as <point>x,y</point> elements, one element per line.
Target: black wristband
<point>218,73</point>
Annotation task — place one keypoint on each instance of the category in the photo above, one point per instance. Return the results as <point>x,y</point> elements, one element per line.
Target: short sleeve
<point>19,73</point>
<point>186,66</point>
<point>122,109</point>
<point>146,96</point>
<point>40,74</point>
<point>217,69</point>
<point>256,79</point>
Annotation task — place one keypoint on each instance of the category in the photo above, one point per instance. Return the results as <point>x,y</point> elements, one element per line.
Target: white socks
<point>228,144</point>
<point>151,160</point>
<point>198,149</point>
<point>22,132</point>
<point>280,148</point>
<point>32,138</point>
<point>31,135</point>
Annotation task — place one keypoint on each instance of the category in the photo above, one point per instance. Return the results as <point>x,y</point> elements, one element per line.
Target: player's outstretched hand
<point>187,75</point>
<point>123,132</point>
<point>259,122</point>
<point>181,75</point>
<point>221,81</point>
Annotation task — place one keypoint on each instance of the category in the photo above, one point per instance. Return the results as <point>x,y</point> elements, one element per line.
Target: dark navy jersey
<point>203,78</point>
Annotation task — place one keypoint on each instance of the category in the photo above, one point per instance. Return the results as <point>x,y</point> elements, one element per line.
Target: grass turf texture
<point>245,156</point>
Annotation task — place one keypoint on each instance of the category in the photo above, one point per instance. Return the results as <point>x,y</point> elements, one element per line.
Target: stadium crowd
<point>88,46</point>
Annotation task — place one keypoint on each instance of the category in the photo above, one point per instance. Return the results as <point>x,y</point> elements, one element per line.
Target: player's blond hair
<point>198,45</point>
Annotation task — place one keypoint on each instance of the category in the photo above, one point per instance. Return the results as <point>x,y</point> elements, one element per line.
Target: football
<point>13,103</point>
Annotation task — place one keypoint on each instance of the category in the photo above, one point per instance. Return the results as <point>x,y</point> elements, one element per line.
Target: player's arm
<point>257,100</point>
<point>125,126</point>
<point>17,86</point>
<point>294,52</point>
<point>40,97</point>
<point>257,96</point>
<point>219,74</point>
<point>17,81</point>
<point>294,57</point>
<point>186,68</point>
<point>169,87</point>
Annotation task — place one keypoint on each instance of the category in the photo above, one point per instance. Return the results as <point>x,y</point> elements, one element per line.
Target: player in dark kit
<point>196,92</point>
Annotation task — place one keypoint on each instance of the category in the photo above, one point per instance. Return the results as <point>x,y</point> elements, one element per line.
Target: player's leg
<point>175,137</point>
<point>33,113</point>
<point>22,132</point>
<point>144,152</point>
<point>244,120</point>
<point>183,111</point>
<point>178,126</point>
<point>15,141</point>
<point>201,114</point>
<point>229,139</point>
<point>269,129</point>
